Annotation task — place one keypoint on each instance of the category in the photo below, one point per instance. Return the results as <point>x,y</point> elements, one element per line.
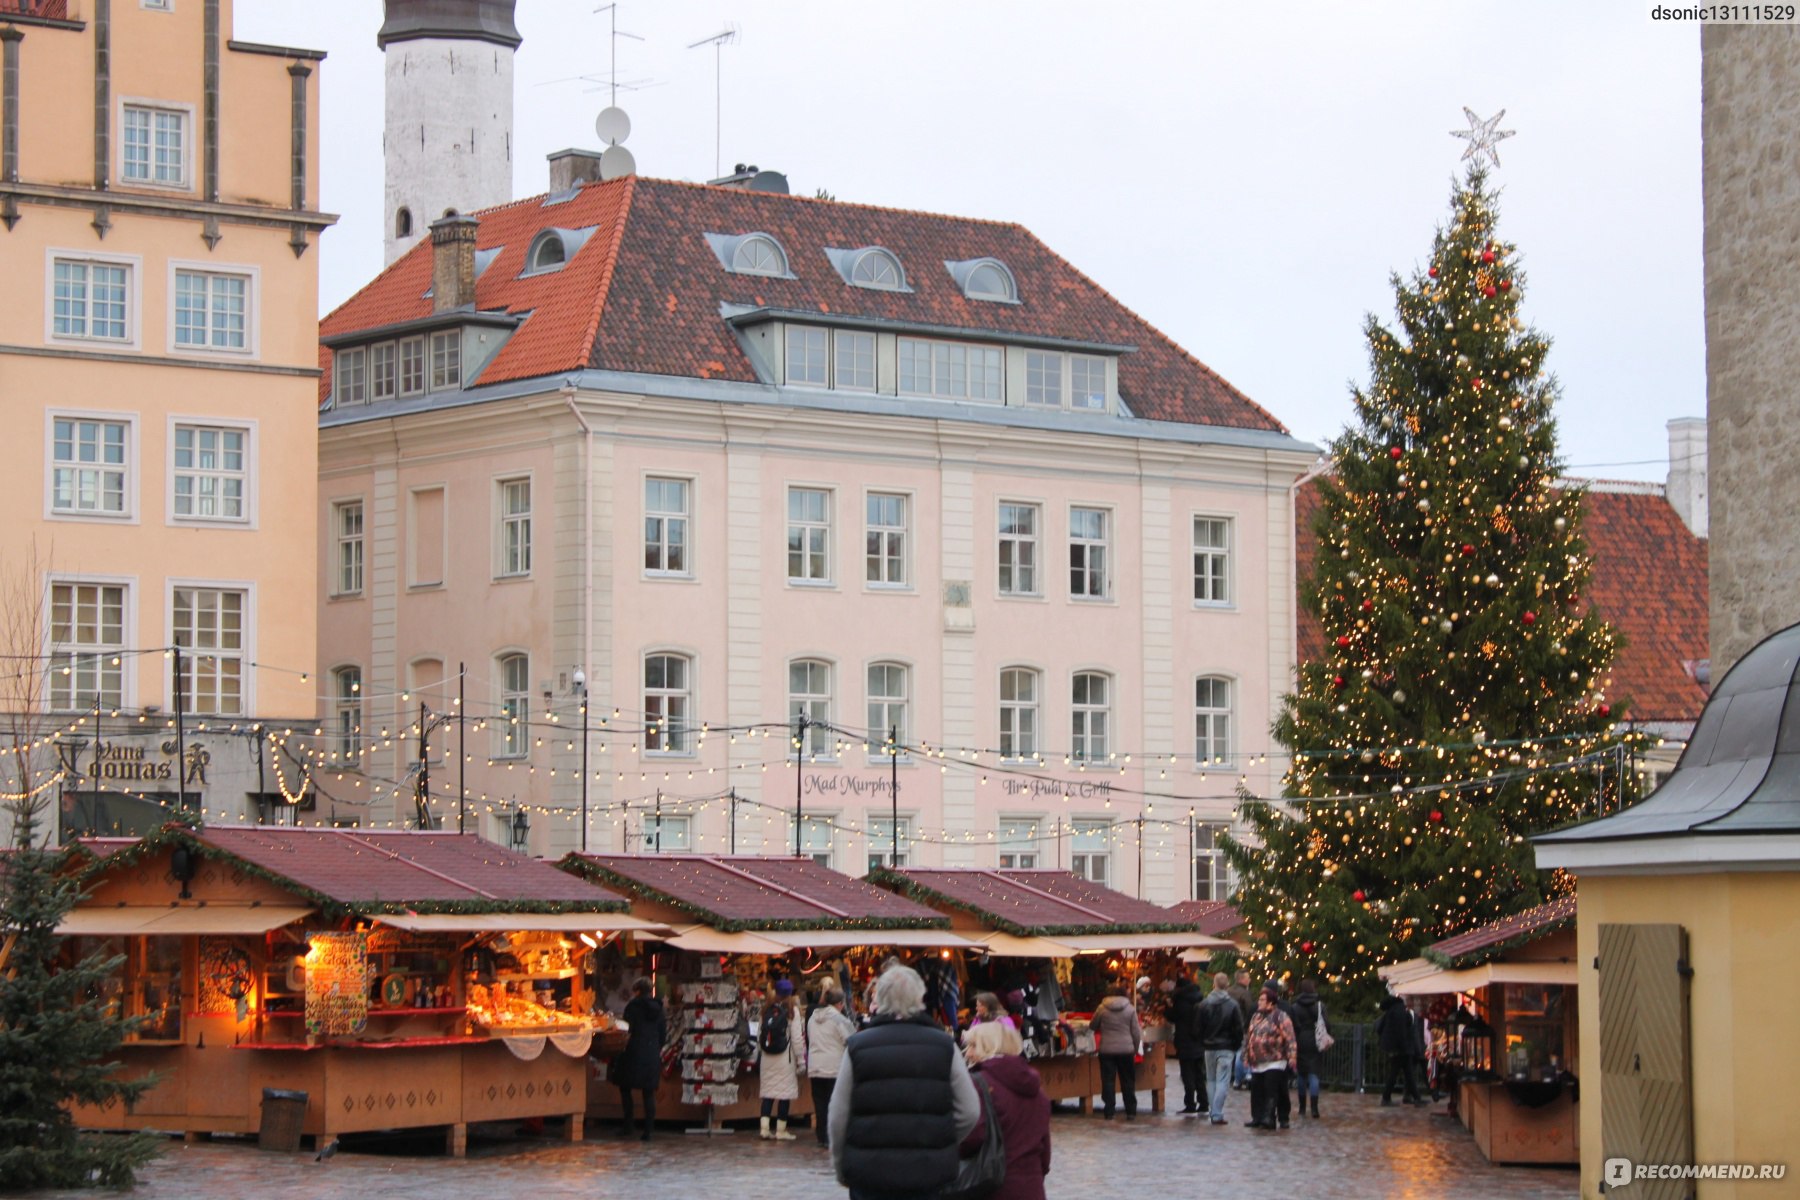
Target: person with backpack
<point>783,1043</point>
<point>1185,998</point>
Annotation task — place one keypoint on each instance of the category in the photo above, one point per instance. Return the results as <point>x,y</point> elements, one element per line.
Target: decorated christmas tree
<point>1460,704</point>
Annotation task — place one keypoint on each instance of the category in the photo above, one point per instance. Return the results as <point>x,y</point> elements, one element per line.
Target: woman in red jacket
<point>1017,1094</point>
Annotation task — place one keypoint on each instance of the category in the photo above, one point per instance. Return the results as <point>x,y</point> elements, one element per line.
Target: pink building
<point>730,458</point>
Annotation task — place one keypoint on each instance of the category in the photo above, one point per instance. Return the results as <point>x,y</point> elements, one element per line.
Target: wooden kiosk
<point>1087,938</point>
<point>399,980</point>
<point>1507,994</point>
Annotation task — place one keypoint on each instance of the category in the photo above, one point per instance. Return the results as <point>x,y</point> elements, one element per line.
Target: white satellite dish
<point>616,162</point>
<point>612,125</point>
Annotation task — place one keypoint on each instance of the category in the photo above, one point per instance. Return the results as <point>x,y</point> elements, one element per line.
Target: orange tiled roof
<point>643,294</point>
<point>55,10</point>
<point>1649,580</point>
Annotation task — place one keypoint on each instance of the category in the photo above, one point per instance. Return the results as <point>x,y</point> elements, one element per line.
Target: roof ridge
<point>886,208</point>
<point>591,333</point>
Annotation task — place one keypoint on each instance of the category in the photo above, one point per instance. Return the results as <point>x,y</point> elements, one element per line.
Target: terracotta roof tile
<point>1215,918</point>
<point>1545,918</point>
<point>755,892</point>
<point>643,294</point>
<point>1649,580</point>
<point>54,10</point>
<point>1033,902</point>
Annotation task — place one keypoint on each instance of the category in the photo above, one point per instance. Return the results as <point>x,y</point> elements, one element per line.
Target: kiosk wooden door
<point>1646,1103</point>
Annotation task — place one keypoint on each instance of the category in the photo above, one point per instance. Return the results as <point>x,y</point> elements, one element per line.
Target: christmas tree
<point>1460,705</point>
<point>57,1034</point>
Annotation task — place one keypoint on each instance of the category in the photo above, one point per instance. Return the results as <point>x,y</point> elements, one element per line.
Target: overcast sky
<point>1245,176</point>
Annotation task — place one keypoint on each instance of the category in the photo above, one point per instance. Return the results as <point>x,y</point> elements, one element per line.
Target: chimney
<point>569,169</point>
<point>453,263</point>
<point>1686,488</point>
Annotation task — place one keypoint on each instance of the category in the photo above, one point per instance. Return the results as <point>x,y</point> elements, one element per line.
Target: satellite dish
<point>616,163</point>
<point>612,125</point>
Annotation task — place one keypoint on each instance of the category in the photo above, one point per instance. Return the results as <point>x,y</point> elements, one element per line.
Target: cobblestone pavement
<point>1359,1151</point>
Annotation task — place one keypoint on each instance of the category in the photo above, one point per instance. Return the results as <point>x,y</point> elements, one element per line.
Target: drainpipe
<point>587,570</point>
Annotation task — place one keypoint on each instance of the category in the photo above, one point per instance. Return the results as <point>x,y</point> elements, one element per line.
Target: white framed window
<point>808,356</point>
<point>1090,850</point>
<point>351,366</point>
<point>412,366</point>
<point>817,838</point>
<point>92,299</point>
<point>90,466</point>
<point>1044,378</point>
<point>884,539</point>
<point>1087,382</point>
<point>154,145</point>
<point>887,699</point>
<point>668,700</point>
<point>1091,716</point>
<point>547,253</point>
<point>885,848</point>
<point>1089,565</point>
<point>666,515</point>
<point>1212,560</point>
<point>1212,720</point>
<point>876,268</point>
<point>213,310</point>
<point>951,370</point>
<point>347,536</point>
<point>512,729</point>
<point>1017,842</point>
<point>347,714</point>
<point>384,371</point>
<point>991,281</point>
<point>513,497</point>
<point>1018,555</point>
<point>446,360</point>
<point>809,535</point>
<point>759,254</point>
<point>87,642</point>
<point>210,479</point>
<point>1018,713</point>
<point>809,696</point>
<point>667,834</point>
<point>854,360</point>
<point>157,5</point>
<point>211,625</point>
<point>1212,871</point>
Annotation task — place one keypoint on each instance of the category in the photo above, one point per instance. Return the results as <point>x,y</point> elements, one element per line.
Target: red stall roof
<point>1215,917</point>
<point>1033,903</point>
<point>1485,941</point>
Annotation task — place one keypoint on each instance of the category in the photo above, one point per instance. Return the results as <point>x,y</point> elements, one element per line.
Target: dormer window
<point>547,253</point>
<point>759,254</point>
<point>550,250</point>
<point>985,279</point>
<point>876,268</point>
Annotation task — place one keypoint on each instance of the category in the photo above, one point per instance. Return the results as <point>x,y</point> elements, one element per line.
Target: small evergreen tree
<point>1460,704</point>
<point>57,1034</point>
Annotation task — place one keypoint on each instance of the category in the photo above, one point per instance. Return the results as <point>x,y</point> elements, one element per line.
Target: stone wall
<point>1751,167</point>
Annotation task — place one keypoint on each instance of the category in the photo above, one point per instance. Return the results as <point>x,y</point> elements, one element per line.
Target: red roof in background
<point>1544,919</point>
<point>643,293</point>
<point>358,868</point>
<point>1649,580</point>
<point>54,10</point>
<point>750,892</point>
<point>1033,902</point>
<point>1215,918</point>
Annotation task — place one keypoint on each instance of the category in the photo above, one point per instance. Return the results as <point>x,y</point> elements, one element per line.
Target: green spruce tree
<point>58,1034</point>
<point>1460,705</point>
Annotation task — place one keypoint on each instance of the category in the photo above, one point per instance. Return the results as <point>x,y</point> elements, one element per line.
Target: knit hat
<point>784,987</point>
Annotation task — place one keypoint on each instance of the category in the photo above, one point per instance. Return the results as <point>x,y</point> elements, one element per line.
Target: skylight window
<point>876,268</point>
<point>985,279</point>
<point>551,250</point>
<point>547,253</point>
<point>759,254</point>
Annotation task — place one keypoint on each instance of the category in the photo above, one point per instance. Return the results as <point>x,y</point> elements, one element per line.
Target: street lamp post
<point>581,683</point>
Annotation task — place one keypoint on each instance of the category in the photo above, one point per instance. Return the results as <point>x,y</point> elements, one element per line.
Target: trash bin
<point>283,1113</point>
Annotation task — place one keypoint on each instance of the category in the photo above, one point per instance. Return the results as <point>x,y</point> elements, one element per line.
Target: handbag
<point>982,1174</point>
<point>1321,1035</point>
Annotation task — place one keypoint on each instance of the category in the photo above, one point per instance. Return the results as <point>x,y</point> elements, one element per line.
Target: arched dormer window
<point>403,224</point>
<point>985,279</point>
<point>759,254</point>
<point>547,253</point>
<point>876,268</point>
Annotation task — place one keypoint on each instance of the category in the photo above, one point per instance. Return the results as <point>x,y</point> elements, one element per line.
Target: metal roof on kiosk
<point>1035,903</point>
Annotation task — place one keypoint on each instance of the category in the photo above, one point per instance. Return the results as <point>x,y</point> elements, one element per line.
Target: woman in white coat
<point>826,1031</point>
<point>783,1041</point>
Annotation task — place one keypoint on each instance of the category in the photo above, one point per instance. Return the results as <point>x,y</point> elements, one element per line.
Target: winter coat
<point>1270,1040</point>
<point>640,1063</point>
<point>1307,1010</point>
<point>1221,1024</point>
<point>1184,1018</point>
<point>1024,1113</point>
<point>1115,1025</point>
<point>1393,1028</point>
<point>826,1032</point>
<point>781,1072</point>
<point>903,1103</point>
<point>1246,1006</point>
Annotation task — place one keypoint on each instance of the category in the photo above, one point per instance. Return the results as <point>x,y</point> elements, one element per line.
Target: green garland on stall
<point>914,890</point>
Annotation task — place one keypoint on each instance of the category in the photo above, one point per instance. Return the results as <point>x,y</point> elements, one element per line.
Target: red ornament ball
<point>1359,895</point>
<point>1367,605</point>
<point>1394,452</point>
<point>1530,618</point>
<point>1506,285</point>
<point>1488,255</point>
<point>1604,710</point>
<point>1488,291</point>
<point>1337,681</point>
<point>1306,947</point>
<point>1467,549</point>
<point>1432,272</point>
<point>1435,816</point>
<point>1343,642</point>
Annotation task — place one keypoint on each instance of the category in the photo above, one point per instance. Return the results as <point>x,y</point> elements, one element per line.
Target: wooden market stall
<point>1502,999</point>
<point>1064,943</point>
<point>399,980</point>
<point>738,923</point>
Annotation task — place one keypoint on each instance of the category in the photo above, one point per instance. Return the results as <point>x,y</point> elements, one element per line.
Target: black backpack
<point>775,1030</point>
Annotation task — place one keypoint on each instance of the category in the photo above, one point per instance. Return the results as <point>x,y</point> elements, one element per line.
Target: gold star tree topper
<point>1482,136</point>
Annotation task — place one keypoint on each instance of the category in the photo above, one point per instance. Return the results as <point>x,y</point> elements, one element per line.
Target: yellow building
<point>158,359</point>
<point>1689,907</point>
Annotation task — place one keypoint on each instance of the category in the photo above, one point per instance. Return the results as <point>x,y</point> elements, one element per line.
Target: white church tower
<point>448,137</point>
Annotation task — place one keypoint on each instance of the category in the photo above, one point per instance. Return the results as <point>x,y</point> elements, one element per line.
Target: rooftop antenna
<point>718,42</point>
<point>611,79</point>
<point>612,10</point>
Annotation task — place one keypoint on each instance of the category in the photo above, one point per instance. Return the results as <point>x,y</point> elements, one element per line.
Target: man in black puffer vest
<point>903,1101</point>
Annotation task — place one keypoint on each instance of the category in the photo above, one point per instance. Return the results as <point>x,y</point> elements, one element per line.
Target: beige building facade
<point>159,220</point>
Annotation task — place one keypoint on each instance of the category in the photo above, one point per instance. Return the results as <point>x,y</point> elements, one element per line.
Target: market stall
<point>1053,946</point>
<point>1501,1000</point>
<point>739,923</point>
<point>399,980</point>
